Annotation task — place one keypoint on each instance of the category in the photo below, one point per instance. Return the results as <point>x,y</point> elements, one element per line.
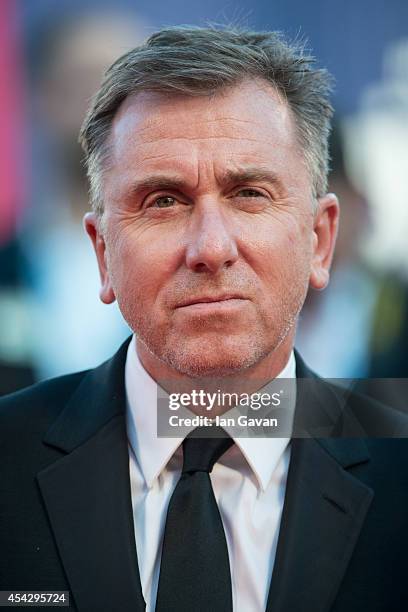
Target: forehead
<point>249,122</point>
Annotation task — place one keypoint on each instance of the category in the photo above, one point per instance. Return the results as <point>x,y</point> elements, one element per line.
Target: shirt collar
<point>153,453</point>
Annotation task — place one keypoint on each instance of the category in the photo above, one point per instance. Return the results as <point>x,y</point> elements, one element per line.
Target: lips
<point>209,299</point>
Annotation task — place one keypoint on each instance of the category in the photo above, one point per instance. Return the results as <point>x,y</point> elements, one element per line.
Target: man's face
<point>210,241</point>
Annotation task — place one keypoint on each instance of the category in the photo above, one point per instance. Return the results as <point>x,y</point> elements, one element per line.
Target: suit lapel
<point>323,513</point>
<point>87,494</point>
<point>324,510</point>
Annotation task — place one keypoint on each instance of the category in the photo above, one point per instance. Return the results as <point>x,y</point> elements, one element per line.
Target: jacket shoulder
<point>359,409</point>
<point>38,405</point>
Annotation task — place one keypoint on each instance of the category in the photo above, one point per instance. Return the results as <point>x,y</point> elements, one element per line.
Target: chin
<point>218,360</point>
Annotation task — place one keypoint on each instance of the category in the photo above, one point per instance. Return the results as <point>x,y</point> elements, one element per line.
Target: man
<point>207,157</point>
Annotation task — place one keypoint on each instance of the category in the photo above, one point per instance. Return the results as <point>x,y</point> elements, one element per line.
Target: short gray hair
<point>200,61</point>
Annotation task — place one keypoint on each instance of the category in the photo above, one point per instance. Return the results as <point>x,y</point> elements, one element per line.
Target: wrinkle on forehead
<point>146,112</point>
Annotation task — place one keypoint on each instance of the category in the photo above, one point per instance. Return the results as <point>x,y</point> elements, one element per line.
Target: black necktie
<point>194,571</point>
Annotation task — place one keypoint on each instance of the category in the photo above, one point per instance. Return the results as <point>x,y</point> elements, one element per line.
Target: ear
<point>92,227</point>
<point>324,239</point>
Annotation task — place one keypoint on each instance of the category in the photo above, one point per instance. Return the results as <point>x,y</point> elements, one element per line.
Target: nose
<point>211,243</point>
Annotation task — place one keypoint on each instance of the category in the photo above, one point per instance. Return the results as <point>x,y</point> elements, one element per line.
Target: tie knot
<point>200,454</point>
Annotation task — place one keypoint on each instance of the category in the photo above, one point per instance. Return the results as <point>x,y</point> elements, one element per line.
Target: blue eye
<point>164,202</point>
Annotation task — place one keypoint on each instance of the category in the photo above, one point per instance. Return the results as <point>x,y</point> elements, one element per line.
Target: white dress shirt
<point>249,484</point>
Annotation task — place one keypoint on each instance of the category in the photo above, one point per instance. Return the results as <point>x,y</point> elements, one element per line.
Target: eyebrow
<point>244,175</point>
<point>157,181</point>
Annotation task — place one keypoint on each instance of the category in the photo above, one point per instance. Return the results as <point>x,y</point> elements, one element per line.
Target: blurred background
<point>52,56</point>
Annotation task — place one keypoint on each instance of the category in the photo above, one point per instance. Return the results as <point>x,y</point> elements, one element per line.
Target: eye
<point>249,193</point>
<point>164,202</point>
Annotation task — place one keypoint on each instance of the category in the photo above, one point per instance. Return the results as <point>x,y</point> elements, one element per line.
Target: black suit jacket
<point>66,514</point>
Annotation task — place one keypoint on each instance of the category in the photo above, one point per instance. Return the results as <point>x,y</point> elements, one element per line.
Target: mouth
<point>212,300</point>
